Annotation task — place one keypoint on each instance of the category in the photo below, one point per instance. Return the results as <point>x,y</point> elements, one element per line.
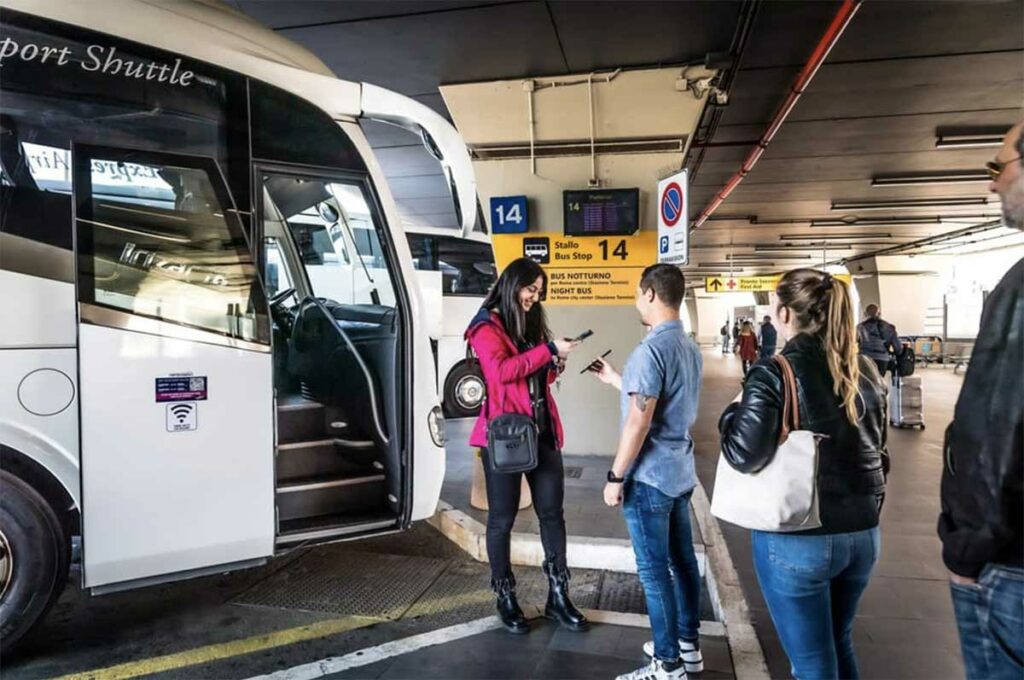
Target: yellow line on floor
<point>224,650</point>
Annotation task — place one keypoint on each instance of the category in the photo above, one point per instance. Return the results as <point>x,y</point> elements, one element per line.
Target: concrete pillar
<point>905,288</point>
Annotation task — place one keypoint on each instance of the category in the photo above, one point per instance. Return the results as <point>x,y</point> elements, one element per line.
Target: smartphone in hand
<point>583,336</point>
<point>595,365</point>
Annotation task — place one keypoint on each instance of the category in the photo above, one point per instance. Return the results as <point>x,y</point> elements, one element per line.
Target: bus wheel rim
<point>6,565</point>
<point>469,392</point>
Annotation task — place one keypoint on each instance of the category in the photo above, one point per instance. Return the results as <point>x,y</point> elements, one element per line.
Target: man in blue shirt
<point>653,473</point>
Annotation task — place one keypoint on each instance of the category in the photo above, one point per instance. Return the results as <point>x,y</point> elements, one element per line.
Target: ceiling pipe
<point>825,44</point>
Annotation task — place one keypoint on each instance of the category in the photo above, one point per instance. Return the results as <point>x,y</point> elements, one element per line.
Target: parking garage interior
<point>851,137</point>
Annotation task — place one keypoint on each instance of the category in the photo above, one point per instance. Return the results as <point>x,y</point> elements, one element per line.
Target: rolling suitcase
<point>906,402</point>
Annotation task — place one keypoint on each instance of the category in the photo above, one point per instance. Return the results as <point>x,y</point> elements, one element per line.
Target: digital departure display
<point>601,212</point>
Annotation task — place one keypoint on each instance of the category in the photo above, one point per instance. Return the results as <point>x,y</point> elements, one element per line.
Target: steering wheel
<point>280,297</point>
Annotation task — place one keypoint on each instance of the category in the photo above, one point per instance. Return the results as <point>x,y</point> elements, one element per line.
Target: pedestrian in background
<point>724,331</point>
<point>768,338</point>
<point>746,346</point>
<point>982,496</point>
<point>813,580</point>
<point>653,474</point>
<point>878,339</point>
<point>519,360</point>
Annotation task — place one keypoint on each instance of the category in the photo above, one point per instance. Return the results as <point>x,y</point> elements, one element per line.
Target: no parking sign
<point>673,225</point>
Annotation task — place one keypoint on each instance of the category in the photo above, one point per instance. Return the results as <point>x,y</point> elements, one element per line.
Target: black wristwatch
<point>612,479</point>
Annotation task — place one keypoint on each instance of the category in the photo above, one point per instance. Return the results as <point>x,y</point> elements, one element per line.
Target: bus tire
<point>463,391</point>
<point>35,568</point>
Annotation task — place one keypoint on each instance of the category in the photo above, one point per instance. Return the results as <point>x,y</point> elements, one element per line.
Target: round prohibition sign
<point>672,204</point>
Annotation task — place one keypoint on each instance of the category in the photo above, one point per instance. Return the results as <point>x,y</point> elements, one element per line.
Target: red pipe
<point>828,40</point>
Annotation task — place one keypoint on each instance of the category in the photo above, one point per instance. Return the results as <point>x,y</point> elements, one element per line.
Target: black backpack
<point>906,360</point>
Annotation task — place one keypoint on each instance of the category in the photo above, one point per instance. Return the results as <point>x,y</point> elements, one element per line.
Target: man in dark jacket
<point>982,520</point>
<point>769,337</point>
<point>877,338</point>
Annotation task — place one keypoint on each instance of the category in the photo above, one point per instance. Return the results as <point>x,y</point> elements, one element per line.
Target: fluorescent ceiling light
<point>798,247</point>
<point>967,140</point>
<point>751,256</point>
<point>910,203</point>
<point>853,220</point>
<point>926,179</point>
<point>830,237</point>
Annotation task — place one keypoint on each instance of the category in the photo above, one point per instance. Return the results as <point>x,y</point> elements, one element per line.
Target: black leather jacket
<point>852,460</point>
<point>982,518</point>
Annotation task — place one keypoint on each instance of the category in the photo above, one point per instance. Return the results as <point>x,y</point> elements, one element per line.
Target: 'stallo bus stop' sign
<point>583,270</point>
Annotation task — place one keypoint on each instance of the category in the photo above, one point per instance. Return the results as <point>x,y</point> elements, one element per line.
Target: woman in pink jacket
<point>520,360</point>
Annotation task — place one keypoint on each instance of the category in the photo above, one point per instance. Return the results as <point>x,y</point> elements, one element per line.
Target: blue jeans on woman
<point>990,616</point>
<point>812,585</point>
<point>659,526</point>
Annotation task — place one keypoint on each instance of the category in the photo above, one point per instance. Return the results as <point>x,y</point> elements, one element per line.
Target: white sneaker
<point>656,670</point>
<point>693,660</point>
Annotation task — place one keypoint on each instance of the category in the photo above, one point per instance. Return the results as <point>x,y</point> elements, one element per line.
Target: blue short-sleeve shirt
<point>667,365</point>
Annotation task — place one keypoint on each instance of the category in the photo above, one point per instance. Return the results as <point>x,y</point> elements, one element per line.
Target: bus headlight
<point>435,421</point>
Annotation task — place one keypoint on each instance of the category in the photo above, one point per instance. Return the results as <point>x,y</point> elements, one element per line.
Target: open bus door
<point>177,408</point>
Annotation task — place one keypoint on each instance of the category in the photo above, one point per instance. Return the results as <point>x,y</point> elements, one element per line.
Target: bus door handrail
<point>359,359</point>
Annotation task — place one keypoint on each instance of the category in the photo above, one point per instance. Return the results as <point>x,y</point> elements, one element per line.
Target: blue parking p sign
<point>508,215</point>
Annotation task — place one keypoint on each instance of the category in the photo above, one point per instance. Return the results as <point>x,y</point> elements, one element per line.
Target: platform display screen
<point>601,212</point>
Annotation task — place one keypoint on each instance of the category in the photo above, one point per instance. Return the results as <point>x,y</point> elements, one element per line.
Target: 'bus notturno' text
<point>98,59</point>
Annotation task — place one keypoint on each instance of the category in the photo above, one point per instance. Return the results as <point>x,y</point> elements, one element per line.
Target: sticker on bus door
<point>181,388</point>
<point>182,417</point>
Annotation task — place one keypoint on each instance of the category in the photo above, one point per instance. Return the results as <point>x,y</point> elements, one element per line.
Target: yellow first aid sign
<point>751,284</point>
<point>583,270</point>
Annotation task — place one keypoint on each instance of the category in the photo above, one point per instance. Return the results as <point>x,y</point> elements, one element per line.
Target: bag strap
<point>790,399</point>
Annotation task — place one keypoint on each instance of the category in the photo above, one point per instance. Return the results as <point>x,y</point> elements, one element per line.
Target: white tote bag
<point>783,495</point>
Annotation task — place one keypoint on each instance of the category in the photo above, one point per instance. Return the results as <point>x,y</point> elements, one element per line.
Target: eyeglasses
<point>995,168</point>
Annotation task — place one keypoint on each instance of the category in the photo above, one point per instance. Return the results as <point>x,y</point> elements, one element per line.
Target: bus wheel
<point>463,391</point>
<point>34,558</point>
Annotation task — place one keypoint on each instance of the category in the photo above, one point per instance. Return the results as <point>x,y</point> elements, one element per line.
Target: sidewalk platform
<point>598,540</point>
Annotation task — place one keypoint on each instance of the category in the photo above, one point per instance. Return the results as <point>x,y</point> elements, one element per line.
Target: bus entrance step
<point>300,419</point>
<point>315,497</point>
<point>325,458</point>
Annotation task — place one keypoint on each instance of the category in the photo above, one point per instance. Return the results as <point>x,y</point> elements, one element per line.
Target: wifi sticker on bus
<point>181,417</point>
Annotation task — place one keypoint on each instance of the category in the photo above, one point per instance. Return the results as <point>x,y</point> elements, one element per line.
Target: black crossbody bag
<point>512,439</point>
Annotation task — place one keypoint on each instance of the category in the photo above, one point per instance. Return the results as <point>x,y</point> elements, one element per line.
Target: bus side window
<point>467,266</point>
<point>170,250</point>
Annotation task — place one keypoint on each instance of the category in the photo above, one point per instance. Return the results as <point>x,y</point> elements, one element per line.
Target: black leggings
<point>547,485</point>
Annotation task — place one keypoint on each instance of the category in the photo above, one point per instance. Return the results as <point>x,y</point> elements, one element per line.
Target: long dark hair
<point>525,328</point>
<point>822,307</point>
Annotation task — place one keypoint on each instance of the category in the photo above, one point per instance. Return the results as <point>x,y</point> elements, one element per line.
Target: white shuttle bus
<point>456,273</point>
<point>176,386</point>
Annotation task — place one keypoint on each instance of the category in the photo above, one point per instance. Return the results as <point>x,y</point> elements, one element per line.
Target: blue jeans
<point>767,352</point>
<point>812,585</point>
<point>990,616</point>
<point>666,563</point>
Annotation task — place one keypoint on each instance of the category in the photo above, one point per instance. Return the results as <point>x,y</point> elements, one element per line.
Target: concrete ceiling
<point>901,72</point>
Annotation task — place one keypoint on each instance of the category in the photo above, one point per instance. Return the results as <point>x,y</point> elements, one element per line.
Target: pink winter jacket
<point>505,372</point>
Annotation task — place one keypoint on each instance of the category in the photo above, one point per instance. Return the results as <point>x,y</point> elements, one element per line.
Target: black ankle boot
<point>511,615</point>
<point>559,607</point>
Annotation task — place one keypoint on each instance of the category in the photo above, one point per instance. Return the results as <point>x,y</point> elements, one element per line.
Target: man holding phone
<point>653,472</point>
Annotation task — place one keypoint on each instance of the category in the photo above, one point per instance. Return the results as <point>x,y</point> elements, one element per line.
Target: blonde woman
<point>813,580</point>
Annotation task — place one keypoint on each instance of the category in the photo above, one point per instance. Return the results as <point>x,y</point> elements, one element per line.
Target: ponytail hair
<point>822,307</point>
